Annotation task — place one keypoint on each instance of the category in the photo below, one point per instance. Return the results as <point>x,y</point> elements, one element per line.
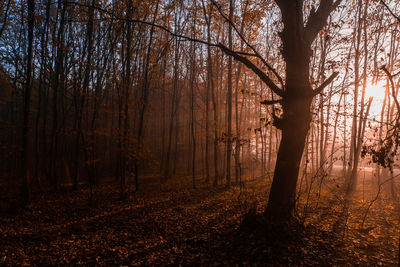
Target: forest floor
<point>171,223</point>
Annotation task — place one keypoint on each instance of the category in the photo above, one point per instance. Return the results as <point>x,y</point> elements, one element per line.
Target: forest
<point>200,132</point>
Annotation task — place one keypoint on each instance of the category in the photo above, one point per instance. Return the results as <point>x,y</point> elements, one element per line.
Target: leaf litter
<point>171,223</point>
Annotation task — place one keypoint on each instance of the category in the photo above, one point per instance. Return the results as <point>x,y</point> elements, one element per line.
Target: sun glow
<point>377,91</point>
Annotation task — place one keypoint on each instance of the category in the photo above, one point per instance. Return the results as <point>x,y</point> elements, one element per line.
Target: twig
<point>376,197</point>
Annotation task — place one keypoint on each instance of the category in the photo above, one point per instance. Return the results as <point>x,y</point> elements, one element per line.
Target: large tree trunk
<point>282,195</point>
<point>296,119</point>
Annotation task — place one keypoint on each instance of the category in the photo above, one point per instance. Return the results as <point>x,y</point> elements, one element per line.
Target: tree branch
<point>248,44</point>
<point>317,19</point>
<point>390,11</point>
<point>393,87</point>
<point>254,68</point>
<point>271,102</point>
<point>325,84</point>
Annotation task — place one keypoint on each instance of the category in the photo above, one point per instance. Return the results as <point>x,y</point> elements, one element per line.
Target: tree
<point>27,103</point>
<point>358,128</point>
<point>296,98</point>
<point>144,98</point>
<point>229,100</point>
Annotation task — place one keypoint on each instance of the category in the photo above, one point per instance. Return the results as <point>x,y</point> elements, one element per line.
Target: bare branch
<point>325,83</point>
<point>397,73</point>
<point>376,197</point>
<point>254,68</point>
<point>184,37</point>
<point>393,87</point>
<point>390,11</point>
<point>112,14</point>
<point>248,44</point>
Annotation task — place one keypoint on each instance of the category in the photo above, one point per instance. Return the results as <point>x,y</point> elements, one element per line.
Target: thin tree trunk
<point>192,117</point>
<point>358,131</point>
<point>27,103</point>
<point>59,68</point>
<point>167,170</point>
<point>210,90</point>
<point>145,99</point>
<point>229,100</point>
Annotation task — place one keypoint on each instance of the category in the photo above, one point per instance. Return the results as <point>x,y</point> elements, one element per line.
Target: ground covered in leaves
<point>172,223</point>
